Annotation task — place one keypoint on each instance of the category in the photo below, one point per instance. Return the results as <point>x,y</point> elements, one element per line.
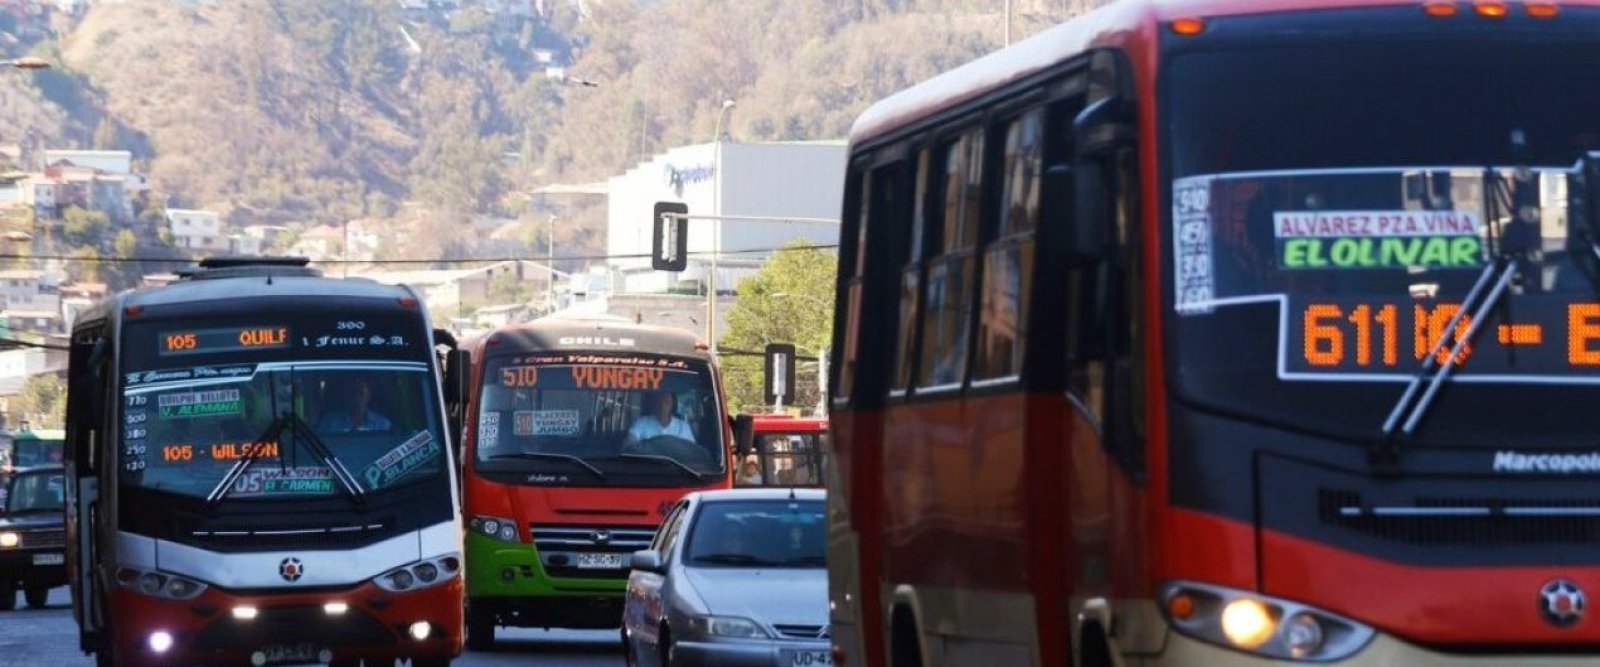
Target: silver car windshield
<point>759,533</point>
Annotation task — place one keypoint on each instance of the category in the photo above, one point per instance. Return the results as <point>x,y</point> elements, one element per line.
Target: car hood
<point>771,596</point>
<point>32,520</point>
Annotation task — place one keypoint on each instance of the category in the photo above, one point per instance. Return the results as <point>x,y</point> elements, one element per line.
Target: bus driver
<point>661,420</point>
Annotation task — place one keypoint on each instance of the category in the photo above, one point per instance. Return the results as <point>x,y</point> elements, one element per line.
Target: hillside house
<point>196,229</point>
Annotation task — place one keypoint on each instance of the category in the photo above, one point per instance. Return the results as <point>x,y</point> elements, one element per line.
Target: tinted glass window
<point>1008,264</point>
<point>1341,233</point>
<point>759,533</point>
<point>947,316</point>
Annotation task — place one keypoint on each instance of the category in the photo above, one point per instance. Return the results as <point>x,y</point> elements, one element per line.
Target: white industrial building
<point>764,180</point>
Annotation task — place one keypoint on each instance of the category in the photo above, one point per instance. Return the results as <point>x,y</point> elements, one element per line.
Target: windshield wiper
<point>297,427</point>
<point>698,475</point>
<point>1497,277</point>
<point>741,560</point>
<point>221,490</point>
<point>817,561</point>
<point>540,456</point>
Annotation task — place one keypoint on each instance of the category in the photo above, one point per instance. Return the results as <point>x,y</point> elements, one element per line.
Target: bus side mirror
<point>456,371</point>
<point>96,396</point>
<point>744,435</point>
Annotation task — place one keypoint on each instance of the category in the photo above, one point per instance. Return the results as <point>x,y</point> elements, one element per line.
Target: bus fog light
<point>335,608</point>
<point>1247,623</point>
<point>160,642</point>
<point>421,630</point>
<point>245,613</point>
<point>1303,635</point>
<point>258,659</point>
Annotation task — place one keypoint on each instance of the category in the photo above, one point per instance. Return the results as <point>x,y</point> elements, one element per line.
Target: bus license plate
<point>599,561</point>
<point>290,654</point>
<point>49,559</point>
<point>796,658</point>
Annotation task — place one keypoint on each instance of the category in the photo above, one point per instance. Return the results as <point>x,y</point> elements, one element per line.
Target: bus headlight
<point>419,575</point>
<point>1260,624</point>
<point>10,540</point>
<point>159,584</point>
<point>494,527</point>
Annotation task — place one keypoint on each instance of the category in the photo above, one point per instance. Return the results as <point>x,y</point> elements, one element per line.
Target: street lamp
<point>26,62</point>
<point>716,229</point>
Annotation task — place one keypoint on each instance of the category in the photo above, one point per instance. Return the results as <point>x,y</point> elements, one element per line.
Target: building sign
<point>677,177</point>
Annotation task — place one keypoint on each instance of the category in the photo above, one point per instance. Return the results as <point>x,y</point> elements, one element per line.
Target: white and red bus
<point>1226,332</point>
<point>259,472</point>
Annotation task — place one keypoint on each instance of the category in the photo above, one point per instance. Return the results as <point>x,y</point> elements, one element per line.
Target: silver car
<point>732,578</point>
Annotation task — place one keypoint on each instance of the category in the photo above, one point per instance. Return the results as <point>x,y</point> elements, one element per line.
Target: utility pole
<point>1008,22</point>
<point>550,265</point>
<point>716,231</point>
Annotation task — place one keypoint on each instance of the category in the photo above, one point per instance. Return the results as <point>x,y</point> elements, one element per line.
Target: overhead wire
<point>453,260</point>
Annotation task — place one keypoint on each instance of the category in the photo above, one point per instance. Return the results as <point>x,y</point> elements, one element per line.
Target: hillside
<point>320,112</point>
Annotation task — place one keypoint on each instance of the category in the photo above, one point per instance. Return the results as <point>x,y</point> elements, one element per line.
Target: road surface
<point>47,638</point>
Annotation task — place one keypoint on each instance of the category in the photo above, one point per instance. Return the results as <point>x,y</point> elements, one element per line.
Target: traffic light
<point>778,373</point>
<point>670,248</point>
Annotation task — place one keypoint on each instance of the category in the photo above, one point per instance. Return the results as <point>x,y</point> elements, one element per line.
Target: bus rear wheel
<point>38,595</point>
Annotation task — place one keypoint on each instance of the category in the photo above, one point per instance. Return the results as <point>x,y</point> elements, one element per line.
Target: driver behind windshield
<point>660,419</point>
<point>358,415</point>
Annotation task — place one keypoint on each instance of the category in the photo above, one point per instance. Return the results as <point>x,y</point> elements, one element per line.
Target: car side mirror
<point>647,561</point>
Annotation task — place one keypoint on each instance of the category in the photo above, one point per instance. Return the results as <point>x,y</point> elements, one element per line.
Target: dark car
<point>32,536</point>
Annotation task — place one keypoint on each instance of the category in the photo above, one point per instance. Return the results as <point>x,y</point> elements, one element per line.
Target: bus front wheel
<point>480,630</point>
<point>37,595</point>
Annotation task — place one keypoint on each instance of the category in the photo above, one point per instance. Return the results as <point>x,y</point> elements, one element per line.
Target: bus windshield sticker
<point>1377,239</point>
<point>408,456</point>
<point>279,481</point>
<point>192,404</point>
<point>196,373</point>
<point>1191,221</point>
<point>489,429</point>
<point>558,423</point>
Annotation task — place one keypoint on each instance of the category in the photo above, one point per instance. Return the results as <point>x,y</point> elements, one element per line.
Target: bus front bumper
<point>362,622</point>
<point>1382,651</point>
<point>509,582</point>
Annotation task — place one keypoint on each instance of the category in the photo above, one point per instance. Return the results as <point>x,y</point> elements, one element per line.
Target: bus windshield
<point>599,420</point>
<point>1340,209</point>
<point>293,427</point>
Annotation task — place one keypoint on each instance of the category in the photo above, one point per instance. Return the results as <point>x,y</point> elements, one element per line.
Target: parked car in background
<point>732,578</point>
<point>31,536</point>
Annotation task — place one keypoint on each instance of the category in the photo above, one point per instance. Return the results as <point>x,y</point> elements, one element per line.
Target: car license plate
<point>599,561</point>
<point>49,559</point>
<point>797,658</point>
<point>290,654</point>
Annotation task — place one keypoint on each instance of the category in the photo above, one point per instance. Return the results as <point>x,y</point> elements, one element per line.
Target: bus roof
<point>232,288</point>
<point>595,335</point>
<point>41,434</point>
<point>1111,25</point>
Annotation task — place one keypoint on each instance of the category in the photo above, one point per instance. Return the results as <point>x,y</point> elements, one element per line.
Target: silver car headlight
<point>1261,624</point>
<point>9,540</point>
<point>726,626</point>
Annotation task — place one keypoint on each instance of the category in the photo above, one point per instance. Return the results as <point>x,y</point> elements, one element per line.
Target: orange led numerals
<point>521,376</point>
<point>182,341</point>
<point>1368,335</point>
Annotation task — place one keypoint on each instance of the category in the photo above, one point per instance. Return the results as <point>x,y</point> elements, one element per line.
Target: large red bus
<point>1226,332</point>
<point>259,472</point>
<point>580,435</point>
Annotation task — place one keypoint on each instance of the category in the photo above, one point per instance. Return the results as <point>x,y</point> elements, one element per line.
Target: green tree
<point>83,227</point>
<point>42,402</point>
<point>790,300</point>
